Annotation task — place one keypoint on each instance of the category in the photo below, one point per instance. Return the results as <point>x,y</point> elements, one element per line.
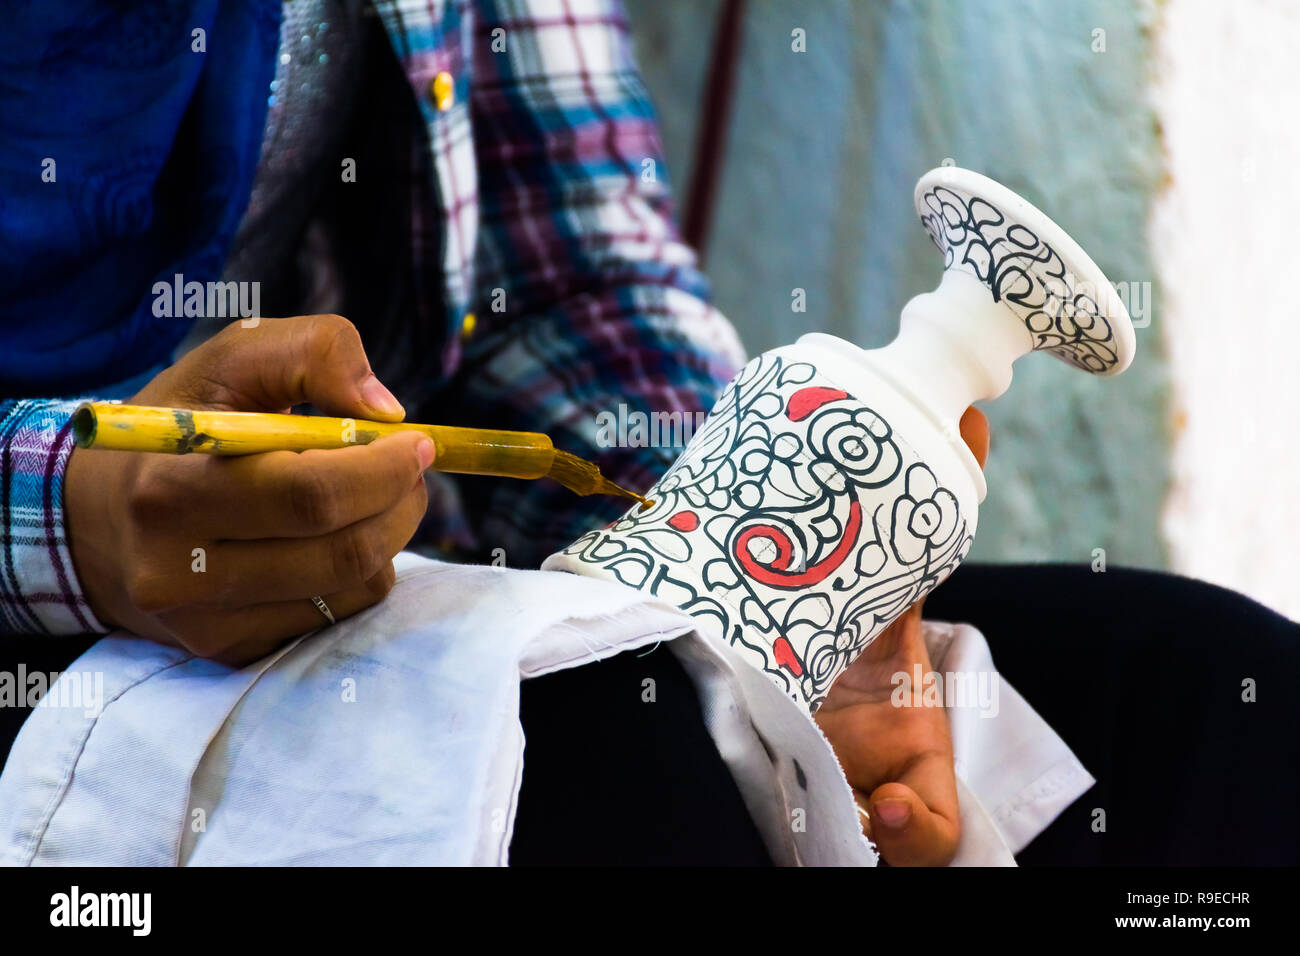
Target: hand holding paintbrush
<point>227,553</point>
<point>466,451</point>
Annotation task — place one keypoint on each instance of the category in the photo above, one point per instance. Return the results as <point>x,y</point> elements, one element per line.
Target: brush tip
<point>584,478</point>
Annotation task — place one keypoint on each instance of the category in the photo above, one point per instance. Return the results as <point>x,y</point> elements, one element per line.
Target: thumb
<point>906,831</point>
<point>974,429</point>
<point>279,363</point>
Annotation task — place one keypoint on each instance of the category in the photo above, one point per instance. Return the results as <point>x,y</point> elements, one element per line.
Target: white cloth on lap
<point>393,738</point>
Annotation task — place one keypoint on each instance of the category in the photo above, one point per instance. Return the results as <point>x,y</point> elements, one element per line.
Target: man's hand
<point>274,528</point>
<point>899,760</point>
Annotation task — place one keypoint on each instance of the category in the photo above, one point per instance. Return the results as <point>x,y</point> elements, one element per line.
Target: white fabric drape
<point>393,738</point>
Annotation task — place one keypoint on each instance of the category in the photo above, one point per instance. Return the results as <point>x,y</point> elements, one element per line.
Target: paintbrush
<point>465,451</point>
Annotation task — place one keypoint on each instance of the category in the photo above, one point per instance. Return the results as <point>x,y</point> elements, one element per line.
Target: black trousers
<point>1144,675</point>
<point>1140,673</point>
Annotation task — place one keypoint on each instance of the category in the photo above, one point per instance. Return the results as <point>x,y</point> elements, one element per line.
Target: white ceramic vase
<point>829,488</point>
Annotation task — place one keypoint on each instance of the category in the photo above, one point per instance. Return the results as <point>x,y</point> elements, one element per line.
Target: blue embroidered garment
<point>131,133</point>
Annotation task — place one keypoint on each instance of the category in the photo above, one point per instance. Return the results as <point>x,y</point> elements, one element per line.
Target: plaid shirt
<point>548,219</point>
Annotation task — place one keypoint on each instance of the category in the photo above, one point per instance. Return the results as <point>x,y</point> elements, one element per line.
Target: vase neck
<point>954,346</point>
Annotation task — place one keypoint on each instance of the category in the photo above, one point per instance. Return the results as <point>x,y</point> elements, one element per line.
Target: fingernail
<point>379,398</point>
<point>424,451</point>
<point>892,813</point>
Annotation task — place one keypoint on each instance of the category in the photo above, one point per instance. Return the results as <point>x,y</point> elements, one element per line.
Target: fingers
<point>254,572</point>
<point>293,495</point>
<point>237,573</point>
<point>907,831</point>
<point>864,812</point>
<point>265,627</point>
<point>280,363</point>
<point>974,428</point>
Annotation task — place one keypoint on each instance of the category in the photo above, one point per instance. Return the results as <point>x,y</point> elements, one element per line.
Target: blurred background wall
<point>1225,88</point>
<point>1060,101</point>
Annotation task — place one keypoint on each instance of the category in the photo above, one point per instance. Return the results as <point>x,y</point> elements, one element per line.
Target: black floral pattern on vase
<point>1024,272</point>
<point>796,525</point>
<point>924,518</point>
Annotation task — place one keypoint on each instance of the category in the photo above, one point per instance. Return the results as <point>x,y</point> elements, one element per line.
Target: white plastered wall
<point>1223,237</point>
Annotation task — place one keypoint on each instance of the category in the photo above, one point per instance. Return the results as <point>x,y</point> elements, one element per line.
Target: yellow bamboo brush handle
<point>179,431</point>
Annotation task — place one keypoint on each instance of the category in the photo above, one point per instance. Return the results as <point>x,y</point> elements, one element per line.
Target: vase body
<point>816,503</point>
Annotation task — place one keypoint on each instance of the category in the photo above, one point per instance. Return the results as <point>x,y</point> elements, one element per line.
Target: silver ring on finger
<point>323,608</point>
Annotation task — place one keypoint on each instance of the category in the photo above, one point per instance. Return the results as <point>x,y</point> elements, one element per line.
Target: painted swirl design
<point>796,525</point>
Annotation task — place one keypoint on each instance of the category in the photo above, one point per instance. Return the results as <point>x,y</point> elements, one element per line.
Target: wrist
<point>94,538</point>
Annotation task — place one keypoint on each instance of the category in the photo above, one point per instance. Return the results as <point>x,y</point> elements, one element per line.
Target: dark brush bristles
<point>583,478</point>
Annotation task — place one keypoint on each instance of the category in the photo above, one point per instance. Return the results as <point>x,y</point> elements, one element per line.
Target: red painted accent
<point>807,400</point>
<point>775,575</point>
<point>685,521</point>
<point>784,548</point>
<point>785,657</point>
